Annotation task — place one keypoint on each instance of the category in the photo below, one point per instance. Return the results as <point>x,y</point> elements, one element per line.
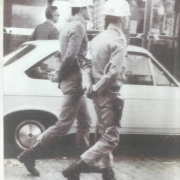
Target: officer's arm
<point>87,73</point>
<point>114,67</point>
<point>76,36</point>
<point>75,41</point>
<point>87,77</point>
<point>87,59</point>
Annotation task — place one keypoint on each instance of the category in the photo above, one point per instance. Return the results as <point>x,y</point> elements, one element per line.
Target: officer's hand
<point>94,89</point>
<point>53,76</point>
<point>88,91</point>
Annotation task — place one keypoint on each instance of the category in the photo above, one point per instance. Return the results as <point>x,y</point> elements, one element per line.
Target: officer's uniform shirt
<point>73,45</point>
<point>45,31</point>
<point>108,51</point>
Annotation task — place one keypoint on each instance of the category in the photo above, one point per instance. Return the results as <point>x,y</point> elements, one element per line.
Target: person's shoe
<point>72,172</point>
<point>30,166</point>
<point>108,174</point>
<point>27,157</point>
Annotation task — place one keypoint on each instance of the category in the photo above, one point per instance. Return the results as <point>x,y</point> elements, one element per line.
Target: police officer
<point>108,50</point>
<point>73,44</point>
<point>47,30</point>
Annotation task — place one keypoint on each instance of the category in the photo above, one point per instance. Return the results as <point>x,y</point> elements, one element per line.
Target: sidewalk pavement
<point>125,167</point>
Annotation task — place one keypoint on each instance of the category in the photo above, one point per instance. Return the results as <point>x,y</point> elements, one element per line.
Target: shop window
<point>31,2</point>
<point>163,17</point>
<point>27,14</point>
<point>137,16</point>
<point>43,69</point>
<point>138,70</point>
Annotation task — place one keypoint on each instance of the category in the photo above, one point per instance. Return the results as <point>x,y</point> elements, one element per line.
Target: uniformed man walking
<point>73,44</point>
<point>108,50</point>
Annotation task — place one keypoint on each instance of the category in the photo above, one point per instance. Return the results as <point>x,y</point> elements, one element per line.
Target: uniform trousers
<point>73,106</point>
<point>108,128</point>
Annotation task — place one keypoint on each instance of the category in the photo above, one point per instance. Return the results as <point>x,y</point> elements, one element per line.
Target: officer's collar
<point>115,27</point>
<point>118,29</point>
<point>77,17</point>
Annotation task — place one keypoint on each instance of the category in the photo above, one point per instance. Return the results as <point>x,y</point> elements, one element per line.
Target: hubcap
<point>28,134</point>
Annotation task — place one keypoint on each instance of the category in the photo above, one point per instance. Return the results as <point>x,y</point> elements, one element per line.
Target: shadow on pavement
<point>130,145</point>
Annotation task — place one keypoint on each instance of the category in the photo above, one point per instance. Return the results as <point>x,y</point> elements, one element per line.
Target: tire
<point>27,132</point>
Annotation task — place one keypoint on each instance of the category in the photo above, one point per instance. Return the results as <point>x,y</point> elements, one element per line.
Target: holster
<point>118,109</point>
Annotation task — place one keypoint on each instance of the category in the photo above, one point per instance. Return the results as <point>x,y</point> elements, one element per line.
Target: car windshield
<point>17,54</point>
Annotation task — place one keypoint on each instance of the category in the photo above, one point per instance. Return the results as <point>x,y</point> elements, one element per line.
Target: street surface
<point>145,159</point>
<point>126,168</point>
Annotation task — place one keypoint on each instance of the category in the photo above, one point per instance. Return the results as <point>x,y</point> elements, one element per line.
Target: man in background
<point>47,30</point>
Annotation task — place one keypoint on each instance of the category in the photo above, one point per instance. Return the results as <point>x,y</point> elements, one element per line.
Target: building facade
<point>154,25</point>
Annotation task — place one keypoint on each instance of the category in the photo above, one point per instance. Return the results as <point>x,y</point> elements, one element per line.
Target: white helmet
<point>81,3</point>
<point>117,8</point>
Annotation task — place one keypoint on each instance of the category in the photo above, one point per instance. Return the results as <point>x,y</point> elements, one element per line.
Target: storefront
<point>156,23</point>
<point>155,26</point>
<point>20,18</point>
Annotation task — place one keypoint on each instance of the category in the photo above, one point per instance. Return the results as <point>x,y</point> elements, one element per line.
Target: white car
<point>32,102</point>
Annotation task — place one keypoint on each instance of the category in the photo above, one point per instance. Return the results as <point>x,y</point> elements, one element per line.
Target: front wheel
<point>26,133</point>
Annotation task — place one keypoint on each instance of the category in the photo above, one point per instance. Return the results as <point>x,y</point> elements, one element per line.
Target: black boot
<point>108,174</point>
<point>28,158</point>
<point>72,172</point>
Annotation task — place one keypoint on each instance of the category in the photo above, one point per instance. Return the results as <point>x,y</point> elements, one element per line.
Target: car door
<point>151,98</point>
<point>26,80</point>
<point>47,92</point>
<point>40,93</point>
<point>39,75</point>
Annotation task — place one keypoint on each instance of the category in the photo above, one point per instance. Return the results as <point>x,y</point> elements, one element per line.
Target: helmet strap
<point>88,12</point>
<point>88,15</point>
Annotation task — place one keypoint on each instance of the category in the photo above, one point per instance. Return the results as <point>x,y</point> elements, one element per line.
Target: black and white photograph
<point>90,89</point>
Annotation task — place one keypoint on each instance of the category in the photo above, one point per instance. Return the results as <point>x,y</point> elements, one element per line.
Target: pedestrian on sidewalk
<point>108,50</point>
<point>47,30</point>
<point>73,45</point>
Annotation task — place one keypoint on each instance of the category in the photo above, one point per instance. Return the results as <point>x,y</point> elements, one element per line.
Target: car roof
<point>54,44</point>
<point>51,46</point>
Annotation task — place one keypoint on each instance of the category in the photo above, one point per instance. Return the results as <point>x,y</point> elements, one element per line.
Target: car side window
<point>138,71</point>
<point>42,69</point>
<point>161,78</point>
